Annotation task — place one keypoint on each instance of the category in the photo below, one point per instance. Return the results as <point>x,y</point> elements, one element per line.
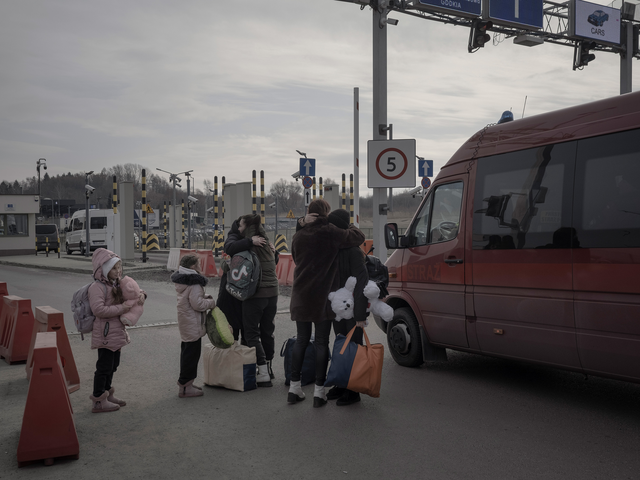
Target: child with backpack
<point>109,334</point>
<point>192,305</point>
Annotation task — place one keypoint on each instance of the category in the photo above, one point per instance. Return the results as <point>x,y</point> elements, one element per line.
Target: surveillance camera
<point>296,175</point>
<point>272,205</point>
<point>210,209</point>
<point>192,199</point>
<point>89,188</point>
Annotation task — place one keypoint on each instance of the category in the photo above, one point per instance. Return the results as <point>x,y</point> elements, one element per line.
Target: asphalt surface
<point>473,417</point>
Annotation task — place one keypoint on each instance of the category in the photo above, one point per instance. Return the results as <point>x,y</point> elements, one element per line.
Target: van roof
<point>596,118</point>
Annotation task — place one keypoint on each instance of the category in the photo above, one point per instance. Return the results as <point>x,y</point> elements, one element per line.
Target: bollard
<point>281,244</point>
<point>284,269</point>
<point>48,319</point>
<point>17,322</point>
<point>48,428</point>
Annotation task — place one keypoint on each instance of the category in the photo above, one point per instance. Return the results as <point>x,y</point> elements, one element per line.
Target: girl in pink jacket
<point>109,334</point>
<point>192,305</point>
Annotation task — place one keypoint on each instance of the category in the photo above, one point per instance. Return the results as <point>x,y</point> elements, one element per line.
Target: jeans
<point>189,358</point>
<point>323,330</point>
<point>106,366</point>
<point>258,326</point>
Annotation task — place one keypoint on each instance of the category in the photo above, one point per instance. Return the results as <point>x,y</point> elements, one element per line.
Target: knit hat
<point>340,218</point>
<point>108,265</point>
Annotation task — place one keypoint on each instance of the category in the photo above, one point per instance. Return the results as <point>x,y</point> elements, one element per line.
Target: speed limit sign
<point>391,163</point>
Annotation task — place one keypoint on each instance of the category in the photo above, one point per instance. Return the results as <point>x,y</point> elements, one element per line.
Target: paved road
<point>470,418</point>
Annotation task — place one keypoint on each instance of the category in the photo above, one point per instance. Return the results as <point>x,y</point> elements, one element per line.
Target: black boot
<point>348,398</point>
<point>335,393</point>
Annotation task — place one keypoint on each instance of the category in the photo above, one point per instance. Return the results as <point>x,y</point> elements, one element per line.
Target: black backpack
<point>243,275</point>
<point>379,273</point>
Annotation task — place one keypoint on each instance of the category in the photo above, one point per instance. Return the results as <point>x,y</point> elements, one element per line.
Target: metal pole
<point>262,212</point>
<point>216,233</point>
<point>144,216</point>
<point>379,120</point>
<point>626,59</point>
<point>174,217</point>
<point>253,191</point>
<point>188,209</point>
<point>87,220</point>
<point>356,155</point>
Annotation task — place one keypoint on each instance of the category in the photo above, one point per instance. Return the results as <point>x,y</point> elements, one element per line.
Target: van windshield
<point>98,223</point>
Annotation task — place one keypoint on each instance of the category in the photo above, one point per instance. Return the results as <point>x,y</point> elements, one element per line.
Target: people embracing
<point>259,311</point>
<point>109,334</point>
<point>314,250</point>
<point>351,263</point>
<point>192,306</point>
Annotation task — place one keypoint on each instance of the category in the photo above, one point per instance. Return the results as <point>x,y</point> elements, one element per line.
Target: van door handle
<point>453,261</point>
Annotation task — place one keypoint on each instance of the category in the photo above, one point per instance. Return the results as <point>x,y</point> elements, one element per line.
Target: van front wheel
<point>69,252</point>
<point>403,338</point>
<point>81,249</point>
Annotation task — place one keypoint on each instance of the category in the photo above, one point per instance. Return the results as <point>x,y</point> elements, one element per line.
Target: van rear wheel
<point>403,338</point>
<point>69,252</point>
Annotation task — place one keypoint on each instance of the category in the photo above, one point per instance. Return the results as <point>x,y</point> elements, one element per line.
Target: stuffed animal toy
<point>131,293</point>
<point>377,306</point>
<point>342,300</point>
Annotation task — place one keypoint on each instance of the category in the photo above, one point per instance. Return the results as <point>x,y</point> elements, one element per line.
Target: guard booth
<point>18,224</point>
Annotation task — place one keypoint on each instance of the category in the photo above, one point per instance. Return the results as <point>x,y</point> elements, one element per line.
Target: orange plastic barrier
<point>17,322</point>
<point>48,429</point>
<point>366,246</point>
<point>284,269</point>
<point>207,263</point>
<point>51,320</point>
<point>3,292</point>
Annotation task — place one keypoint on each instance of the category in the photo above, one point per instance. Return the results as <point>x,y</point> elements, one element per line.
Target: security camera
<point>192,199</point>
<point>272,205</point>
<point>210,209</point>
<point>89,188</point>
<point>296,175</point>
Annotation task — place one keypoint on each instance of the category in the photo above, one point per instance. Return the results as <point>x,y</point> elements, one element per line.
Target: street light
<point>302,153</point>
<point>42,162</point>
<point>87,217</point>
<point>174,177</point>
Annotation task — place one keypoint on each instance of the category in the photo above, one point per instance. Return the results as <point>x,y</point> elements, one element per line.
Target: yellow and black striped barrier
<point>218,240</point>
<point>281,244</point>
<point>153,243</point>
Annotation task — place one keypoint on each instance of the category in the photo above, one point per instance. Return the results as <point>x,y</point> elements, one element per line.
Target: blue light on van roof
<point>507,116</point>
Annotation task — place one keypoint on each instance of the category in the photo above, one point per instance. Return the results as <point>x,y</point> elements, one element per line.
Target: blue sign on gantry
<point>519,13</point>
<point>470,8</point>
<point>308,167</point>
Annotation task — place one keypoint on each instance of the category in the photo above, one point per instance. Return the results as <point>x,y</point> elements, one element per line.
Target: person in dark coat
<point>259,311</point>
<point>351,263</point>
<point>314,250</point>
<point>231,306</point>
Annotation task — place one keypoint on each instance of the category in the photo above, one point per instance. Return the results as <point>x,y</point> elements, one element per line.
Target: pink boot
<point>113,399</point>
<point>101,404</point>
<point>188,390</point>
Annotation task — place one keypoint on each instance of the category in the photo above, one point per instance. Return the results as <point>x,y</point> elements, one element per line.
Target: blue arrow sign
<point>523,13</point>
<point>425,168</point>
<point>308,167</point>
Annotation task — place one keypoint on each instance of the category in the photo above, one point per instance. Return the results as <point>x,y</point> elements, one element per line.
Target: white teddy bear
<point>377,306</point>
<point>342,300</point>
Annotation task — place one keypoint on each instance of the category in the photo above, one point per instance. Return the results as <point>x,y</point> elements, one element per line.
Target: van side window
<point>607,196</point>
<point>523,199</point>
<point>98,223</point>
<point>440,223</point>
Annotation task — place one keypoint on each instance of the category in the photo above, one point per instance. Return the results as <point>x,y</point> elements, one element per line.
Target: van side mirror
<point>391,238</point>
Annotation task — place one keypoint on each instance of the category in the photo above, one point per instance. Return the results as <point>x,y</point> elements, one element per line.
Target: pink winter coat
<point>108,331</point>
<point>192,305</point>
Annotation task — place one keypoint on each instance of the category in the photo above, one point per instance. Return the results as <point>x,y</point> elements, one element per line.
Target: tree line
<point>68,189</point>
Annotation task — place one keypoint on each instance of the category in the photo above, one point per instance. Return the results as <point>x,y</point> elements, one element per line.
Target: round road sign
<point>307,182</point>
<point>391,163</point>
<point>426,182</point>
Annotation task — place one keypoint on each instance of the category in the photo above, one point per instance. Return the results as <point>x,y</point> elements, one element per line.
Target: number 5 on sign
<point>391,163</point>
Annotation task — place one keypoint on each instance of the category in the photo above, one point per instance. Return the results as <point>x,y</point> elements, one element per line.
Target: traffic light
<point>582,55</point>
<point>479,36</point>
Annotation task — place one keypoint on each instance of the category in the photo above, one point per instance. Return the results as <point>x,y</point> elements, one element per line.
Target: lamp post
<point>87,217</point>
<point>175,179</point>
<point>42,162</point>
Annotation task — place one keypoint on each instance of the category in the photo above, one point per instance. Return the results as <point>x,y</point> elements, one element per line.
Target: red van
<point>527,246</point>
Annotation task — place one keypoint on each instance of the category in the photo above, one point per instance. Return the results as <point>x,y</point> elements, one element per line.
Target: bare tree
<point>288,194</point>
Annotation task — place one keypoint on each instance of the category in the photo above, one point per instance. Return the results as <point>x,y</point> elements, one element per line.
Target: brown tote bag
<point>366,372</point>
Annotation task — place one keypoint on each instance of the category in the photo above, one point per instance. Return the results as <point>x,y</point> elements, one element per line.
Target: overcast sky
<point>225,87</point>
